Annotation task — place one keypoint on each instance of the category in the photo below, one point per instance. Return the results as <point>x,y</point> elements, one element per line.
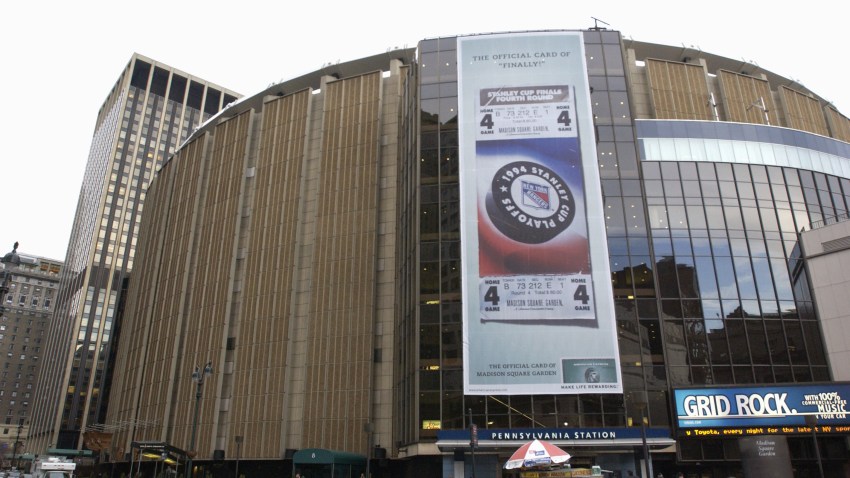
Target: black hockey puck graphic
<point>530,203</point>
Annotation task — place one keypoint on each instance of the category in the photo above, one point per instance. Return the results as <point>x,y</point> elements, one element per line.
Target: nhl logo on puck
<point>529,203</point>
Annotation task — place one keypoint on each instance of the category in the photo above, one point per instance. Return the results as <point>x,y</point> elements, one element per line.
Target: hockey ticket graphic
<point>539,111</point>
<point>534,262</point>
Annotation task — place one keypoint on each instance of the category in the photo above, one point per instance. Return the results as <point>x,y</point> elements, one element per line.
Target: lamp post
<point>812,422</point>
<point>238,449</point>
<point>641,405</point>
<point>473,440</point>
<point>17,444</point>
<point>198,377</point>
<point>162,457</point>
<point>369,428</point>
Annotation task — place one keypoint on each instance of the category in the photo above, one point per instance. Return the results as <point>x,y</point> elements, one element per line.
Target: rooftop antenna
<point>596,23</point>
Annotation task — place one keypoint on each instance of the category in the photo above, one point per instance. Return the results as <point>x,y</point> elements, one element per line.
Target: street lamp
<point>641,405</point>
<point>812,422</point>
<point>473,440</point>
<point>17,444</point>
<point>238,449</point>
<point>198,377</point>
<point>369,428</point>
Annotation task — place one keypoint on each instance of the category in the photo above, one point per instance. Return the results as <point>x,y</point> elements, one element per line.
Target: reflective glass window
<point>653,351</point>
<point>665,272</point>
<point>651,170</point>
<point>614,218</point>
<point>688,286</point>
<point>677,217</point>
<point>814,343</point>
<point>619,107</point>
<point>706,277</point>
<point>613,60</point>
<point>726,277</point>
<point>595,60</point>
<point>696,342</point>
<point>717,341</point>
<point>782,280</point>
<point>639,246</point>
<point>701,245</point>
<point>601,107</point>
<point>429,71</point>
<point>617,83</point>
<point>635,219</point>
<point>734,220</point>
<point>681,244</point>
<point>744,273</point>
<point>738,341</point>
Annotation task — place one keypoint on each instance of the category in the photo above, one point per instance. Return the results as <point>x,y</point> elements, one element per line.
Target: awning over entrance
<point>498,440</point>
<point>320,456</point>
<point>69,452</point>
<point>159,450</point>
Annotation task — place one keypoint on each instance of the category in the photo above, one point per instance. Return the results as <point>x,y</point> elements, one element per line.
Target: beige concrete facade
<point>270,253</point>
<point>827,252</point>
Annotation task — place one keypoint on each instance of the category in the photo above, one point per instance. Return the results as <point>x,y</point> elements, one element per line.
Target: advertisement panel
<point>766,455</point>
<point>764,410</point>
<point>538,305</point>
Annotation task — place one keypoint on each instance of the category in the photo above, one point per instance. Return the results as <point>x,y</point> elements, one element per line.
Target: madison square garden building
<point>562,235</point>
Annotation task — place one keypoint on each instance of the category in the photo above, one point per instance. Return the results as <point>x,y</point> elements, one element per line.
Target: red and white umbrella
<point>536,453</point>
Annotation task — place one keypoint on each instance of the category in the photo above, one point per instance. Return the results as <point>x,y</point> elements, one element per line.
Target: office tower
<point>148,113</point>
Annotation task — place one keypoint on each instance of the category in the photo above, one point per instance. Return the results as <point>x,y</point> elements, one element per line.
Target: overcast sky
<point>60,59</point>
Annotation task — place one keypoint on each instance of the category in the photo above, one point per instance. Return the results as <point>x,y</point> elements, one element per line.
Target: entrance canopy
<point>320,456</point>
<point>158,450</point>
<point>508,440</point>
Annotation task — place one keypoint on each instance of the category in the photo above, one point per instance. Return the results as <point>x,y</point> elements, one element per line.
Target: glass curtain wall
<point>441,400</point>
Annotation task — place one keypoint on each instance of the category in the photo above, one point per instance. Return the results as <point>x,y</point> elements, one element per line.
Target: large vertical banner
<point>538,305</point>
